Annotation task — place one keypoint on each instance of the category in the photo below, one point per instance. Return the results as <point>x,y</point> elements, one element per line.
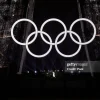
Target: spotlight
<point>54,74</point>
<point>28,72</point>
<point>35,72</point>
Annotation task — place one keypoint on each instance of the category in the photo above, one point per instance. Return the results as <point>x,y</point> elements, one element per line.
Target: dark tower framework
<point>10,11</point>
<point>84,37</point>
<point>92,12</point>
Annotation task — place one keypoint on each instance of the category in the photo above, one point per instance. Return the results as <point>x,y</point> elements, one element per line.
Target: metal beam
<point>29,15</point>
<point>84,39</point>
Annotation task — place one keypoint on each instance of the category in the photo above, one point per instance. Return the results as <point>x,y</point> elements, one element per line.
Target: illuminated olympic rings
<point>50,42</point>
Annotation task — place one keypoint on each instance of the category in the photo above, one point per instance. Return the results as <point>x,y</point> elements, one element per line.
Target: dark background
<point>65,85</point>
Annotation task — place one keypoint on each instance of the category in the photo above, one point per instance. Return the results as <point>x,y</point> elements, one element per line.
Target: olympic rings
<point>57,20</point>
<point>36,32</point>
<point>38,56</point>
<point>72,55</point>
<point>20,20</point>
<point>87,20</point>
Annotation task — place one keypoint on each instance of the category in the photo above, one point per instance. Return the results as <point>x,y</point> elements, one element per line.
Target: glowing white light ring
<point>87,20</point>
<point>67,56</point>
<point>20,20</point>
<point>34,55</point>
<point>57,20</point>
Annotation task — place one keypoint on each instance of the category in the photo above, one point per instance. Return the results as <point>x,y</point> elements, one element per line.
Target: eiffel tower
<point>50,63</point>
<point>11,10</point>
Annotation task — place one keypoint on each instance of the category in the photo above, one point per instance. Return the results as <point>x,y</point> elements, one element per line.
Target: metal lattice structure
<point>92,12</point>
<point>10,11</point>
